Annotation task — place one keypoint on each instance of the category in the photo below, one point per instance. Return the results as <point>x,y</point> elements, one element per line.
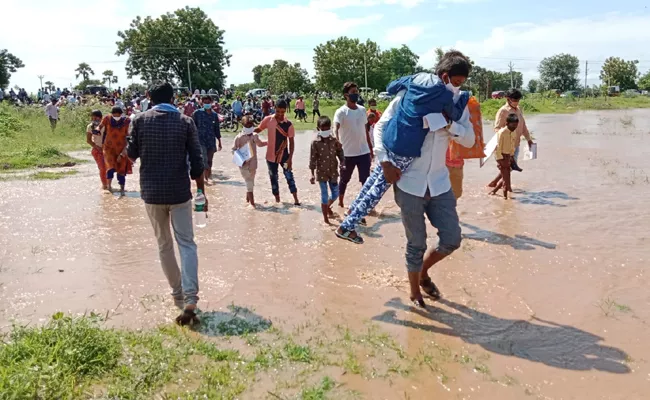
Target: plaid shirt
<point>163,140</point>
<point>207,125</point>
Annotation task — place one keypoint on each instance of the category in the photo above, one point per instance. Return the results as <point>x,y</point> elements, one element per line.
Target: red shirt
<point>189,109</point>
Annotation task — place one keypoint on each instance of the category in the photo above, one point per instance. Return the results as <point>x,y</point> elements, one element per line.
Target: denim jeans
<point>184,282</point>
<point>516,156</point>
<point>324,195</point>
<point>121,179</point>
<point>273,174</point>
<point>441,213</point>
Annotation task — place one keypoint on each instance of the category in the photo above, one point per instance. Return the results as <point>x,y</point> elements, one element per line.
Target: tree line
<point>187,48</point>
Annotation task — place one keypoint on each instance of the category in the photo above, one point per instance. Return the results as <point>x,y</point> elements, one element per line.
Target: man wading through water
<point>163,138</point>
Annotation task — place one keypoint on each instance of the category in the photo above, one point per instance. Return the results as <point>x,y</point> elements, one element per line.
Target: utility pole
<point>512,80</point>
<point>586,69</point>
<point>365,69</point>
<point>189,76</point>
<point>41,78</point>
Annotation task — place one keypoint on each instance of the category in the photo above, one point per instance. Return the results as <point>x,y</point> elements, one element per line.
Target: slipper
<point>346,236</point>
<point>187,317</point>
<point>418,303</point>
<point>363,222</point>
<point>430,288</point>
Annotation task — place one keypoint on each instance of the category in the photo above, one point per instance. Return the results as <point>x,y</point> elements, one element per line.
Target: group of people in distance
<point>409,143</point>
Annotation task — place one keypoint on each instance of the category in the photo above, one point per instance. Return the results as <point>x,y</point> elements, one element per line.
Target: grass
<point>610,307</point>
<point>79,358</point>
<point>46,175</point>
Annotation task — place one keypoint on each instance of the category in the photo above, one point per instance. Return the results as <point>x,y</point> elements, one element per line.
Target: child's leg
<point>109,177</point>
<point>324,201</point>
<point>121,179</point>
<point>495,180</point>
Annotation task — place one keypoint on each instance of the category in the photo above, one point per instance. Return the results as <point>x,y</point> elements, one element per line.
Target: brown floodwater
<point>550,287</point>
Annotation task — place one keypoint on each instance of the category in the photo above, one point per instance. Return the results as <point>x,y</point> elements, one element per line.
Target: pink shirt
<point>270,124</point>
<point>300,104</point>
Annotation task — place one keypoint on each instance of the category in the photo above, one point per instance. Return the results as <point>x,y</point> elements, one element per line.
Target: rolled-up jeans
<point>325,197</point>
<point>184,282</point>
<point>441,212</point>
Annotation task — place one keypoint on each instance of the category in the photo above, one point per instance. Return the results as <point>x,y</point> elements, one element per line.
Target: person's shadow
<point>536,340</point>
<point>236,321</point>
<point>517,242</point>
<point>544,198</point>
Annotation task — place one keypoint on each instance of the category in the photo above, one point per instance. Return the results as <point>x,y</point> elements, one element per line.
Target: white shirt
<point>46,97</point>
<point>144,104</point>
<point>428,171</point>
<point>51,111</point>
<point>119,103</point>
<point>352,130</point>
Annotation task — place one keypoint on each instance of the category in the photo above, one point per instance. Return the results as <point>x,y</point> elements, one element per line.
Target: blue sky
<point>258,32</point>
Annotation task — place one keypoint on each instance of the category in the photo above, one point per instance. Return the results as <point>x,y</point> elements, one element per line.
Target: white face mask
<point>117,118</point>
<point>325,134</point>
<point>248,131</point>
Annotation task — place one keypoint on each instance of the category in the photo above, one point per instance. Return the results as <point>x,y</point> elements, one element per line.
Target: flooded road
<point>548,296</point>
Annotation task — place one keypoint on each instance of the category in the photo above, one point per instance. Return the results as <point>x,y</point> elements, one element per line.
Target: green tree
<point>618,72</point>
<point>8,64</point>
<point>283,77</point>
<point>398,62</point>
<point>136,87</point>
<point>109,77</point>
<point>49,85</point>
<point>259,72</point>
<point>559,72</point>
<point>84,71</point>
<point>644,81</point>
<point>344,59</point>
<point>162,49</point>
<point>533,85</point>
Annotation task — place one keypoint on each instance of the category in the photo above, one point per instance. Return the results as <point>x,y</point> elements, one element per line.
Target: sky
<point>53,37</point>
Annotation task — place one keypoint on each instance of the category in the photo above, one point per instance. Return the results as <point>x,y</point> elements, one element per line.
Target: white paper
<point>241,155</point>
<point>489,149</point>
<point>531,154</point>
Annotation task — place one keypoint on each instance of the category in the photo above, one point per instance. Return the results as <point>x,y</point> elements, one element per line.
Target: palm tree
<point>49,85</point>
<point>84,70</point>
<point>108,77</point>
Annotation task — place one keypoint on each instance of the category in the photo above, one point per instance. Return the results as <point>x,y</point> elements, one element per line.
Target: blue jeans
<point>441,213</point>
<point>273,175</point>
<point>121,179</point>
<point>516,157</point>
<point>372,191</point>
<point>324,195</point>
<point>184,282</point>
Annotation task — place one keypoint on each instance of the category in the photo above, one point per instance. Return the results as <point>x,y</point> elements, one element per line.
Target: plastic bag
<point>456,150</point>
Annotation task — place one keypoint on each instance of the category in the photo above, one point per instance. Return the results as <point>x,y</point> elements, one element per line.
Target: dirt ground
<point>549,290</point>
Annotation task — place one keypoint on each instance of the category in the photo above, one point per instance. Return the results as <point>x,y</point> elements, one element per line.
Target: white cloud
<point>591,38</point>
<point>335,4</point>
<point>403,34</point>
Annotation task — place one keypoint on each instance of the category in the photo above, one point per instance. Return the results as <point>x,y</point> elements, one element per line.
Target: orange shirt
<point>271,124</point>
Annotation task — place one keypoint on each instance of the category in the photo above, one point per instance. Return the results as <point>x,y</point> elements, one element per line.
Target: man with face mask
<point>513,96</point>
<point>350,129</point>
<point>207,124</point>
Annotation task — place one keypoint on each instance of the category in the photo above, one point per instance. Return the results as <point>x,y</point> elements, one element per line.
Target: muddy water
<point>549,289</point>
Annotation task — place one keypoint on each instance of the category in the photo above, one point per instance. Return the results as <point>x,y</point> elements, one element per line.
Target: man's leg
<point>412,210</point>
<point>363,165</point>
<point>159,217</point>
<point>291,182</point>
<point>210,158</point>
<point>441,212</point>
<point>346,175</point>
<point>181,216</point>
<point>515,165</point>
<point>273,176</point>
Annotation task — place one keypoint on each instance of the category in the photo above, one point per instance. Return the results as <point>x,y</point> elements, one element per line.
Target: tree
<point>644,81</point>
<point>343,59</point>
<point>559,72</point>
<point>533,85</point>
<point>109,77</point>
<point>398,62</point>
<point>136,87</point>
<point>49,85</point>
<point>8,64</point>
<point>84,71</point>
<point>281,77</point>
<point>618,72</point>
<point>163,48</point>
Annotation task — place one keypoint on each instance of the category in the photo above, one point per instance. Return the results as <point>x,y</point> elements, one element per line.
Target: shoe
<point>515,167</point>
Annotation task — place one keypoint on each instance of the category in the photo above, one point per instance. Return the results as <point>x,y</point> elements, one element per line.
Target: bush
<point>9,124</point>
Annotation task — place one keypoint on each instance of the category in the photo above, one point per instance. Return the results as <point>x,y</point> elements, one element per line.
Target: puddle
<point>547,295</point>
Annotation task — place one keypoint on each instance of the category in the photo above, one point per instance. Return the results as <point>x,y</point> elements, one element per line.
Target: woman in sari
<point>116,128</point>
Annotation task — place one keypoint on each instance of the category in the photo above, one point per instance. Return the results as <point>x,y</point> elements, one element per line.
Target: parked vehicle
<point>613,91</point>
<point>256,93</point>
<point>571,93</point>
<point>384,96</point>
<point>96,89</point>
<point>499,94</point>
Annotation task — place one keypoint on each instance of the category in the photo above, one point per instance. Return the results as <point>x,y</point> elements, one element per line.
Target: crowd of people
<point>409,144</point>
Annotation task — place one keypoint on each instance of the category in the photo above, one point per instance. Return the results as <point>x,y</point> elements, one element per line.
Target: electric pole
<point>189,76</point>
<point>41,79</point>
<point>512,80</point>
<point>365,70</point>
<point>586,69</point>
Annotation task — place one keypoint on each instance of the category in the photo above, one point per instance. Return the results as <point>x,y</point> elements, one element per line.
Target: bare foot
<point>277,198</point>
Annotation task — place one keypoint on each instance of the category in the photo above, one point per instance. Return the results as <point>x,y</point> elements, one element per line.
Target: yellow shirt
<point>505,143</point>
<point>500,122</point>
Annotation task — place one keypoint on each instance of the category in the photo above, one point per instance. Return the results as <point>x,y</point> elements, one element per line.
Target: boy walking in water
<point>248,137</point>
<point>280,149</point>
<point>324,157</point>
<point>513,96</point>
<point>504,152</point>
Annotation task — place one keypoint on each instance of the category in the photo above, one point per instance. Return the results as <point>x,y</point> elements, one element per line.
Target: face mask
<point>454,89</point>
<point>95,123</point>
<point>207,106</point>
<point>117,118</point>
<point>354,97</point>
<point>248,131</point>
<point>325,134</point>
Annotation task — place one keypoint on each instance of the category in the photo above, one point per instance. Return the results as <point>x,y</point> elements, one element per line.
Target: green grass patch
<point>46,175</point>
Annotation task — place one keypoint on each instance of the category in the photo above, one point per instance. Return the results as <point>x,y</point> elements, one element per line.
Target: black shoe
<point>515,167</point>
